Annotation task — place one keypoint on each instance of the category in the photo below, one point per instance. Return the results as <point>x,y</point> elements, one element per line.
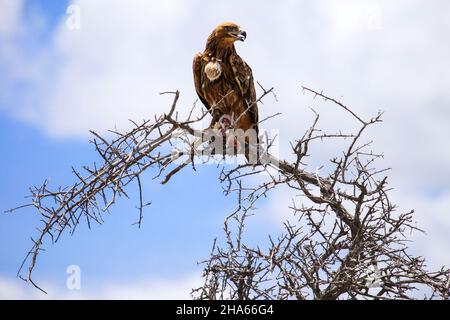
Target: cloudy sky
<point>70,66</point>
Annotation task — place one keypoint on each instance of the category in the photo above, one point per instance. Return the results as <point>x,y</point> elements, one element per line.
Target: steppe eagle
<point>224,81</point>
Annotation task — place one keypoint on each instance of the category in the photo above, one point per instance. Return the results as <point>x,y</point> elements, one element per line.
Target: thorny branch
<point>345,240</point>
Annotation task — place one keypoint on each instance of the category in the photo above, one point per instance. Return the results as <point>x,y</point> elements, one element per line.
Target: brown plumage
<point>224,82</point>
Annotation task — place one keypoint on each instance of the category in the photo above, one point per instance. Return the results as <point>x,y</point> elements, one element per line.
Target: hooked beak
<point>242,35</point>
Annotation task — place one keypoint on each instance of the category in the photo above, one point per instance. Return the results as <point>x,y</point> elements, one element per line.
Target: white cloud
<point>113,67</point>
<point>389,55</point>
<point>431,214</point>
<point>10,289</point>
<point>10,14</point>
<point>149,289</point>
<point>154,289</point>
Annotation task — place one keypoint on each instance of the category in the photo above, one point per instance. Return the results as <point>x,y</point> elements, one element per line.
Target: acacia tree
<point>348,240</point>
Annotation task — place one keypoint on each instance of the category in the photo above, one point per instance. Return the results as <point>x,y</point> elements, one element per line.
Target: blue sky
<point>177,231</point>
<point>57,83</point>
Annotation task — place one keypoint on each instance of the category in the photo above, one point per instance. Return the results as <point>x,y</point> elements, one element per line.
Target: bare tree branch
<point>345,240</point>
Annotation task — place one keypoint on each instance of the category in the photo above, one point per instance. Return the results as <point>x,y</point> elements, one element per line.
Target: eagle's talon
<point>236,143</point>
<point>233,144</point>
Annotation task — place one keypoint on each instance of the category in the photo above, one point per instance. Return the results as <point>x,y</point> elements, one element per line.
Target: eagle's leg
<point>223,126</point>
<point>233,141</point>
<point>217,131</point>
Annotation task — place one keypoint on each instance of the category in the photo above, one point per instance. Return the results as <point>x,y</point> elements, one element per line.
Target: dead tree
<point>348,240</point>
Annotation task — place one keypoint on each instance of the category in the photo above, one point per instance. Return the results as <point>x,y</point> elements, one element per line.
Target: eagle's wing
<point>244,77</point>
<point>198,79</point>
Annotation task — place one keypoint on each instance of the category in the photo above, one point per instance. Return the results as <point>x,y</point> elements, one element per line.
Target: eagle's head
<point>227,33</point>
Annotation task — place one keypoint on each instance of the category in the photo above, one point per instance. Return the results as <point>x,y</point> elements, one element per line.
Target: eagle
<point>224,83</point>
